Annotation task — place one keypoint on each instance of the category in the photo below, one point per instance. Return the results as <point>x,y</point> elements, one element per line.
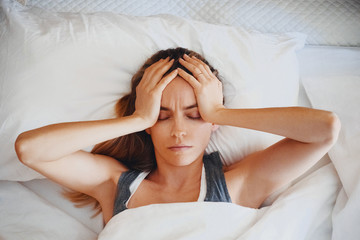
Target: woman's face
<point>180,136</point>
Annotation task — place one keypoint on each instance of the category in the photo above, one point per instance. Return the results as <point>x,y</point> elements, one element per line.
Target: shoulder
<point>236,178</point>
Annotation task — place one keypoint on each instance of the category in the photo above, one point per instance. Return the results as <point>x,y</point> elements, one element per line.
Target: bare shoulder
<point>255,177</point>
<point>236,177</point>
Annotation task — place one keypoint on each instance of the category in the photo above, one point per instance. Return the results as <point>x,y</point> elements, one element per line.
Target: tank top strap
<point>123,192</point>
<point>215,180</point>
<point>213,186</point>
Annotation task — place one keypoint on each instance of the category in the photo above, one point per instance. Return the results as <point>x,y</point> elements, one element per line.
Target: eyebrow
<point>185,108</point>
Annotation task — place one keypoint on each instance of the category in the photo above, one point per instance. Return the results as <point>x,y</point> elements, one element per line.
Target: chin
<point>179,158</point>
<point>183,159</point>
<point>182,162</point>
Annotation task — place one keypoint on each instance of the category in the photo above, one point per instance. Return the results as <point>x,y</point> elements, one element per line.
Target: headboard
<point>326,22</point>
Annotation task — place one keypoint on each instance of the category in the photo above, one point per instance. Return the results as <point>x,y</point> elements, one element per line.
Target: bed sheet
<point>24,214</point>
<point>302,212</point>
<point>336,88</point>
<point>56,217</point>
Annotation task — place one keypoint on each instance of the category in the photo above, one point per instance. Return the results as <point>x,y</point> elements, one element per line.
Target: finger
<point>207,68</point>
<point>189,59</point>
<point>190,79</point>
<point>163,67</point>
<point>157,63</point>
<point>161,70</point>
<point>156,75</point>
<point>148,71</point>
<point>195,61</point>
<point>166,80</point>
<point>197,69</point>
<point>193,69</point>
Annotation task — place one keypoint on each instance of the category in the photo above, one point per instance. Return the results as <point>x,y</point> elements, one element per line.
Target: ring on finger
<point>199,74</point>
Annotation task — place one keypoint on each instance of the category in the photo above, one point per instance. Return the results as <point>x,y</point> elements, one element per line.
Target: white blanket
<point>301,212</point>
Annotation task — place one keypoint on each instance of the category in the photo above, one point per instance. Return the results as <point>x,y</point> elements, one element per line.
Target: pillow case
<point>340,94</point>
<point>59,67</point>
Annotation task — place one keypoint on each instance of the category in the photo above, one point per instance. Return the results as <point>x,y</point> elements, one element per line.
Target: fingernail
<point>186,55</point>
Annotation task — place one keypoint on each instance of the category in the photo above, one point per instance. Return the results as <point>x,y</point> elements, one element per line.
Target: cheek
<point>159,133</point>
<point>203,126</point>
<point>204,130</point>
<point>201,131</point>
<point>160,128</point>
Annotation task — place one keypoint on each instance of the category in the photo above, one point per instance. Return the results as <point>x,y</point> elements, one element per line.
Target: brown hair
<point>135,150</point>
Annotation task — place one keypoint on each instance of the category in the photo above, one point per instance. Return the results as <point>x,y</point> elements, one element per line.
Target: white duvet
<point>302,212</point>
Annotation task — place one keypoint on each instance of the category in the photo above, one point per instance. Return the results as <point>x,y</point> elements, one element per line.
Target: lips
<point>177,148</point>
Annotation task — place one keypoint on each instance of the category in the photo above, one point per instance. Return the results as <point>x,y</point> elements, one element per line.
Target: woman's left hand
<point>207,87</point>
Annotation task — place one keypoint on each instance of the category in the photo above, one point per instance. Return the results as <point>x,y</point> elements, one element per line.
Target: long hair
<point>135,150</point>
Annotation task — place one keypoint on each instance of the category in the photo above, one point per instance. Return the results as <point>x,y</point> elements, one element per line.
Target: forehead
<point>178,92</point>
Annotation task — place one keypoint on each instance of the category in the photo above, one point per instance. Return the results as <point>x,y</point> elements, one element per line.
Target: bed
<point>71,60</point>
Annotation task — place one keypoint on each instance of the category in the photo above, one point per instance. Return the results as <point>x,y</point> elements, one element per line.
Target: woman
<point>154,151</point>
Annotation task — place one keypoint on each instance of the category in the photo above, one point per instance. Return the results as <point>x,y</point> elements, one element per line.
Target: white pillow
<point>58,67</point>
<point>340,94</point>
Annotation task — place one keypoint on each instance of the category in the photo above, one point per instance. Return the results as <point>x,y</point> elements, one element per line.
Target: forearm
<point>298,123</point>
<point>57,140</point>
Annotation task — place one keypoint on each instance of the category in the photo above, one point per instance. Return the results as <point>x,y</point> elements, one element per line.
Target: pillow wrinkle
<point>76,66</point>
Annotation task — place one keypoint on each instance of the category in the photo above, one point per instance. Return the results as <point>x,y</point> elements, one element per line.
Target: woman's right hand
<point>150,88</point>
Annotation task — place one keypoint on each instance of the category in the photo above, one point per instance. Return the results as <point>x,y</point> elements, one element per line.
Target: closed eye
<point>163,118</point>
<point>194,118</point>
<point>163,115</point>
<point>194,115</point>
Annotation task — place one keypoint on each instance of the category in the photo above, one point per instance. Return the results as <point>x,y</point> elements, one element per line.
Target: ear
<point>148,131</point>
<point>214,127</point>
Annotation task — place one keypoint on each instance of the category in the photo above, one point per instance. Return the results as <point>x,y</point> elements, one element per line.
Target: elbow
<point>22,149</point>
<point>333,128</point>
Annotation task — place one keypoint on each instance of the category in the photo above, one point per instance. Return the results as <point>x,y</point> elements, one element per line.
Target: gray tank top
<point>216,190</point>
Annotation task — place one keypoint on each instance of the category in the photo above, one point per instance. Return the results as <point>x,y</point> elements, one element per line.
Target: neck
<point>177,177</point>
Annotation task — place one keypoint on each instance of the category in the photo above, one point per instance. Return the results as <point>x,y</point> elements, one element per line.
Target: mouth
<point>177,148</point>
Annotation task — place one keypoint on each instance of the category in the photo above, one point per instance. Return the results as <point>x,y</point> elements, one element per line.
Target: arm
<point>55,150</point>
<point>52,142</point>
<point>309,134</point>
<point>298,123</point>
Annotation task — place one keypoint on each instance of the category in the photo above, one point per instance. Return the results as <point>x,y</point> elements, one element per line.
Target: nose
<point>178,129</point>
